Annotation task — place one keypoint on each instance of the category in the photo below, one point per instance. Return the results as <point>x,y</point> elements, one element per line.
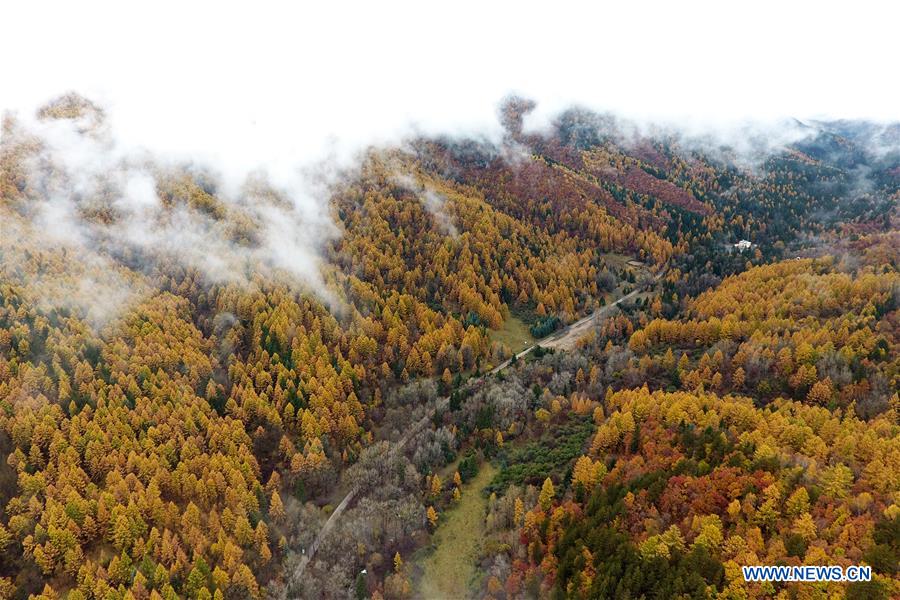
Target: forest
<point>172,427</point>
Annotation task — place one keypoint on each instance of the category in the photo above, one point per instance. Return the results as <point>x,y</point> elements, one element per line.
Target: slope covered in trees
<point>174,415</point>
<point>674,490</point>
<point>814,330</point>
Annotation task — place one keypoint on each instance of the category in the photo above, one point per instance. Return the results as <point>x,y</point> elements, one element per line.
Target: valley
<point>529,366</point>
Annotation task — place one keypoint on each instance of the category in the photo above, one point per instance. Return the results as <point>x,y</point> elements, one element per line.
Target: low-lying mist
<point>86,217</point>
<point>108,213</point>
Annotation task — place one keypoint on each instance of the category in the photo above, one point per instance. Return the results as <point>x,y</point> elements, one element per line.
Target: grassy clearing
<point>618,261</point>
<point>449,571</point>
<point>514,334</point>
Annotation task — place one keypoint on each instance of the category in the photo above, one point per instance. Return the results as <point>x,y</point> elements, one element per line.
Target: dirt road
<point>397,446</point>
<point>564,339</point>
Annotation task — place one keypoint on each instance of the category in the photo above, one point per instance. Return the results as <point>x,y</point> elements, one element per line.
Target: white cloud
<point>244,85</point>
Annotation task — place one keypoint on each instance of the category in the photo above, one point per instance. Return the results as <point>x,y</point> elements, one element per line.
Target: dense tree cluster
<point>700,484</point>
<point>815,330</point>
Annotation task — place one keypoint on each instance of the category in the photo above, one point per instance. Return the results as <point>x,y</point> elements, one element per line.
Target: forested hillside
<point>768,436</point>
<point>179,420</point>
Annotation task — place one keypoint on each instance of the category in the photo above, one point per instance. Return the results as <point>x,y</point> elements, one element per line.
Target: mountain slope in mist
<point>189,365</point>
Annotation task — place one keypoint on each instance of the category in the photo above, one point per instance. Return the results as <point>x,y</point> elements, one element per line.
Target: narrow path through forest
<point>563,339</point>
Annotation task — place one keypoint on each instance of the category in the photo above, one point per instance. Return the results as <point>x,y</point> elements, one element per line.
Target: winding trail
<point>563,339</point>
<point>336,514</point>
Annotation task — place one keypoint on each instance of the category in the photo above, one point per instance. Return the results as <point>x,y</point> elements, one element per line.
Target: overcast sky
<point>261,83</point>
